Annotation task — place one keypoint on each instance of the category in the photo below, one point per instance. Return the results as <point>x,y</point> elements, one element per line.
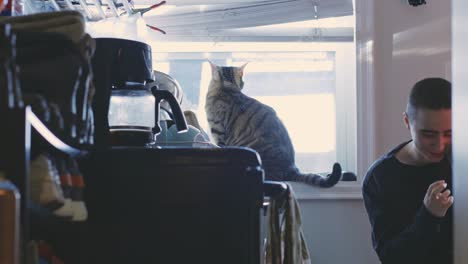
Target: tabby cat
<point>238,120</point>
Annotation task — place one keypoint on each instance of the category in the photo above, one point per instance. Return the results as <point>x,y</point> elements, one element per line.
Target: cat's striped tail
<point>325,182</point>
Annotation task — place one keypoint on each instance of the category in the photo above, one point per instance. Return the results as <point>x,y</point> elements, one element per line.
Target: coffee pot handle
<point>179,117</point>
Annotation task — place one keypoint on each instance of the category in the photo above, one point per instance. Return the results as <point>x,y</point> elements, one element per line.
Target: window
<point>298,80</point>
<point>302,62</point>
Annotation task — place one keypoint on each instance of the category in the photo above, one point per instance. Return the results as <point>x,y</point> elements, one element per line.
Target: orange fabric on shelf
<point>2,4</point>
<point>78,181</point>
<point>66,179</point>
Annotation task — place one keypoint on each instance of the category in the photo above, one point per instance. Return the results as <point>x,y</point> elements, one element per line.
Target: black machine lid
<point>126,60</point>
<point>227,156</point>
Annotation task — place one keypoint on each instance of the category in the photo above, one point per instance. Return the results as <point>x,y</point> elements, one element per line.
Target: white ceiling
<point>199,2</point>
<point>238,18</point>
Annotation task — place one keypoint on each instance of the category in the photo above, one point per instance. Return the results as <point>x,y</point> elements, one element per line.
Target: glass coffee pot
<point>134,114</point>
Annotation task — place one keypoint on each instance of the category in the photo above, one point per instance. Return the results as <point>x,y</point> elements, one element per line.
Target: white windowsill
<point>343,190</point>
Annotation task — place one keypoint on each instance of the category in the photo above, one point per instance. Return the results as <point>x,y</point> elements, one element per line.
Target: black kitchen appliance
<point>127,111</point>
<point>175,205</point>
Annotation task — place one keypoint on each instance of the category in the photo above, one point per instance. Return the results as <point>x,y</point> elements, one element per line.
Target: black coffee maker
<point>126,110</point>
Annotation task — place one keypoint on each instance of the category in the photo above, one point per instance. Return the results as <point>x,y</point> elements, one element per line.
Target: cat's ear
<point>241,69</point>
<point>243,66</point>
<point>213,66</point>
<point>214,70</point>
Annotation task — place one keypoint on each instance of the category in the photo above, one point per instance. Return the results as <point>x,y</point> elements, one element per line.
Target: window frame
<point>361,140</point>
<point>364,37</point>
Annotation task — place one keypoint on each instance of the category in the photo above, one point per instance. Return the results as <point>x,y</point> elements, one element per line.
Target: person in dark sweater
<point>407,191</point>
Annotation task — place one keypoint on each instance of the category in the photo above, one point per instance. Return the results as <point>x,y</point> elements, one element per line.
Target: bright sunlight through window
<point>311,132</point>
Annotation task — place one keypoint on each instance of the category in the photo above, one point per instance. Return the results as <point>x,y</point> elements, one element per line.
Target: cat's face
<point>230,77</point>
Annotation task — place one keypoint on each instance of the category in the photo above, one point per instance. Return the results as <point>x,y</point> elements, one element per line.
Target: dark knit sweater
<point>403,230</point>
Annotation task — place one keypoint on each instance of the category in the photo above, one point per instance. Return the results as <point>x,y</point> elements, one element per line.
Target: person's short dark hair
<point>429,93</point>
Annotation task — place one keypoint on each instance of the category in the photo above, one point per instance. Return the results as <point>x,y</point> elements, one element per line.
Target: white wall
<point>337,231</point>
<point>460,126</point>
<point>409,43</point>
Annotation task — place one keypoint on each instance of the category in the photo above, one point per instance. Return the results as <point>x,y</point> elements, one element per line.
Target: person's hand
<point>436,201</point>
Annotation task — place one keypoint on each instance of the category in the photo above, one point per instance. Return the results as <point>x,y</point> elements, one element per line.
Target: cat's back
<point>246,118</point>
<point>245,121</point>
<point>235,102</point>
